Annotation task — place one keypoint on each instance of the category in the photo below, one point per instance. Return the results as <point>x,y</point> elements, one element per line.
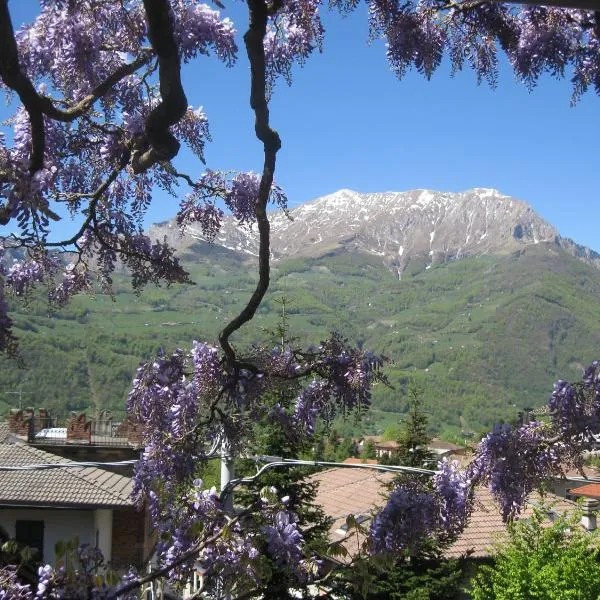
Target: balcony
<point>108,428</point>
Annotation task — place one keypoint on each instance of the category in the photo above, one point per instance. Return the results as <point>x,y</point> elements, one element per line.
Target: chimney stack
<point>588,518</point>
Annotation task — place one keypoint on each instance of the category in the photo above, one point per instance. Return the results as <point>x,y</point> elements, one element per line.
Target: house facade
<point>56,499</point>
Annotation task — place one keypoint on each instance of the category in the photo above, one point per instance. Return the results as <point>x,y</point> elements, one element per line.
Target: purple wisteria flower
<point>10,586</point>
<point>421,513</point>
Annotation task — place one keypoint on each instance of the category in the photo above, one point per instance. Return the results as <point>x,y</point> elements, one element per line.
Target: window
<point>31,533</point>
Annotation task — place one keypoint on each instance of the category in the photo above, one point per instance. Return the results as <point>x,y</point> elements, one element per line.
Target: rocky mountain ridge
<point>422,227</point>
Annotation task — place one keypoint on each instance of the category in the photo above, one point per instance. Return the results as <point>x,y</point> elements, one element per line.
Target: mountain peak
<point>419,227</point>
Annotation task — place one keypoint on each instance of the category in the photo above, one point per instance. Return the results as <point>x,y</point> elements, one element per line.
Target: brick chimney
<point>20,422</point>
<point>588,518</point>
<point>135,433</point>
<point>79,429</point>
<point>132,430</point>
<point>43,420</point>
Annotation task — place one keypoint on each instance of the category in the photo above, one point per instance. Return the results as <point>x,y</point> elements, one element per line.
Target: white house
<point>40,506</point>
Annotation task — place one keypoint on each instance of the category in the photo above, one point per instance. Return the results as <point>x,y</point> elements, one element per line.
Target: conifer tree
<point>291,483</point>
<point>414,439</point>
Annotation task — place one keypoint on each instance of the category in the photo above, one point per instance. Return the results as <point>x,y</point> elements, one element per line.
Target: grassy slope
<point>485,336</point>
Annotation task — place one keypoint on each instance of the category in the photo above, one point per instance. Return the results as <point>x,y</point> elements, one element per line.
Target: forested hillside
<point>485,336</point>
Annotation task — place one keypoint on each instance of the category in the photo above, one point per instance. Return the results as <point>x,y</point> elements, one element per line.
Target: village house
<point>573,480</point>
<point>358,491</point>
<point>439,448</point>
<point>61,500</point>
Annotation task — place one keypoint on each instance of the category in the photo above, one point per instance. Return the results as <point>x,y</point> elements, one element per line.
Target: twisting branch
<point>159,143</point>
<point>38,105</point>
<point>13,77</point>
<point>254,41</point>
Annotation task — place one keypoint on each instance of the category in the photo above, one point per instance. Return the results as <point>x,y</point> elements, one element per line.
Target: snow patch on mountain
<point>421,225</point>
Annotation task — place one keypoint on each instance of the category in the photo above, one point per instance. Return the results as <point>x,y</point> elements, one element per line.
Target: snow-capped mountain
<point>399,227</point>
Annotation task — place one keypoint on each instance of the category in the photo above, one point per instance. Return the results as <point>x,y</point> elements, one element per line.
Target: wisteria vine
<point>101,117</point>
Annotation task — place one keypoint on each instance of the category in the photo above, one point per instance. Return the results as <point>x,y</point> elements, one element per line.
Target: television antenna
<point>20,394</point>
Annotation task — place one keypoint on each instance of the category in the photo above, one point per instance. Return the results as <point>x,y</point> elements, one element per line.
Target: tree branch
<point>36,105</point>
<point>163,145</point>
<point>12,76</point>
<point>136,583</point>
<point>254,39</point>
<point>95,196</point>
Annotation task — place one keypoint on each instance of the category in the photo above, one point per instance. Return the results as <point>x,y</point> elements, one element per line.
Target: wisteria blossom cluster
<point>424,513</point>
<point>186,401</point>
<point>239,194</point>
<point>511,461</point>
<point>84,580</point>
<point>536,39</point>
<point>345,379</point>
<point>7,339</point>
<point>514,461</point>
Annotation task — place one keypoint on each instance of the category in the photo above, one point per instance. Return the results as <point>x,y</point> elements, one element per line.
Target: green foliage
<point>559,561</point>
<point>25,558</point>
<point>413,439</point>
<point>346,449</point>
<point>484,336</point>
<point>390,433</point>
<point>369,449</point>
<point>388,580</point>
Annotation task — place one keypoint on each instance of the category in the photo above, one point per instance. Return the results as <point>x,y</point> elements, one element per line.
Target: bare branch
<point>152,576</point>
<point>254,40</point>
<point>95,196</point>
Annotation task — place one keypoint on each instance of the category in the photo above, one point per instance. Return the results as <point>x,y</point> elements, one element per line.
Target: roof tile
<point>71,486</point>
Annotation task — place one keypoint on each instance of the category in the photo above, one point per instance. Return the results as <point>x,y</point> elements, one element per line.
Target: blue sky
<point>347,122</point>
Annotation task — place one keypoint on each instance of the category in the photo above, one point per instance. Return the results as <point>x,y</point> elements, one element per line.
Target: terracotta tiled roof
<point>61,487</point>
<point>392,444</point>
<point>591,490</point>
<point>372,438</point>
<point>4,431</point>
<point>576,474</point>
<point>486,526</point>
<point>344,492</point>
<point>360,461</point>
<point>438,444</point>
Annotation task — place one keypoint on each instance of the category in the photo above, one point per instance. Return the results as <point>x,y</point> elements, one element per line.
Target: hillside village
<point>51,496</point>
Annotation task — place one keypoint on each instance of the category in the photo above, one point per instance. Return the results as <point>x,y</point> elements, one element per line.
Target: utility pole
<point>227,473</point>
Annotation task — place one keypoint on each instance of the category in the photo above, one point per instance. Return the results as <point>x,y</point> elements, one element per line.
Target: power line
<point>271,462</point>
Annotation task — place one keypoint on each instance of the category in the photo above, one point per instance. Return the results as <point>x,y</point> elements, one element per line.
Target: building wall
<point>103,522</point>
<point>560,487</point>
<point>58,525</point>
<point>129,538</point>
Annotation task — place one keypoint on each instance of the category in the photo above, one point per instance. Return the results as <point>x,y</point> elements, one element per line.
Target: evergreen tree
<point>346,449</point>
<point>400,580</point>
<point>292,482</point>
<point>271,440</point>
<point>413,439</point>
<point>369,450</point>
